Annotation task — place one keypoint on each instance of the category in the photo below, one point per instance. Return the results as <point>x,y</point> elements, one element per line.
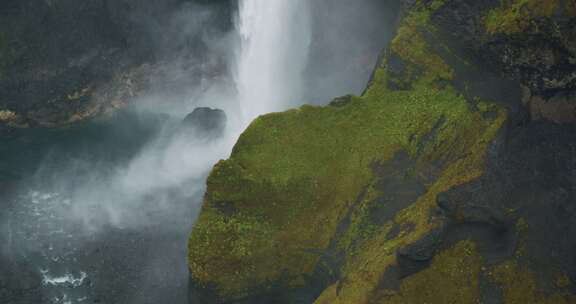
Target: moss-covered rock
<point>274,204</point>
<point>279,202</point>
<point>410,193</point>
<point>517,16</point>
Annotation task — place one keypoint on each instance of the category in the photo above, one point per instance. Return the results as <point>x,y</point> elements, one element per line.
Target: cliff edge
<point>450,180</point>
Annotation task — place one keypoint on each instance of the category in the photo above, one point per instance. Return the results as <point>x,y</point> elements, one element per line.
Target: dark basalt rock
<point>205,122</point>
<point>341,101</point>
<point>415,257</point>
<point>539,57</point>
<point>465,212</point>
<point>424,249</point>
<point>66,61</point>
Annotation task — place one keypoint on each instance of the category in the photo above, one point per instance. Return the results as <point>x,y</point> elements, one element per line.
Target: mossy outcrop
<point>431,187</point>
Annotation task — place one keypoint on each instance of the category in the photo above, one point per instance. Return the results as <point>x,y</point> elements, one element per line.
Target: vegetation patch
<point>520,286</point>
<point>460,145</point>
<point>517,16</point>
<point>453,277</point>
<point>275,206</point>
<point>410,45</point>
<point>298,172</point>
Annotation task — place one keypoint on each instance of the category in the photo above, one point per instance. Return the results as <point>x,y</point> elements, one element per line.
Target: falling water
<point>274,43</point>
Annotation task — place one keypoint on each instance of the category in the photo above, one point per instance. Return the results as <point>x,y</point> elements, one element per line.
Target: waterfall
<point>74,221</point>
<point>272,56</point>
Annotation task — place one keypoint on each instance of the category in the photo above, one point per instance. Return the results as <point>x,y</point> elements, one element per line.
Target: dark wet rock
<point>539,55</point>
<point>341,101</point>
<point>66,61</point>
<point>415,257</point>
<point>423,249</point>
<point>559,108</point>
<point>206,122</point>
<point>465,212</point>
<point>402,187</point>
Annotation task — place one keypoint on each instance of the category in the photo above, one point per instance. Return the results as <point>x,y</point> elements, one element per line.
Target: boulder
<point>206,122</point>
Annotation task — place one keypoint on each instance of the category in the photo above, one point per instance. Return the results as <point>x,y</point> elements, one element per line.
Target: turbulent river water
<point>100,212</point>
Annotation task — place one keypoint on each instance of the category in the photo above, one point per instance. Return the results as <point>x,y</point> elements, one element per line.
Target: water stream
<point>272,55</point>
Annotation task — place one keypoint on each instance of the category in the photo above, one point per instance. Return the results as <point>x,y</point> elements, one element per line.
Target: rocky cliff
<point>65,61</point>
<point>450,180</point>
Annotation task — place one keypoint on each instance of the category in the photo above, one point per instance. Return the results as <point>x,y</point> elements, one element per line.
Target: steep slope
<point>450,180</point>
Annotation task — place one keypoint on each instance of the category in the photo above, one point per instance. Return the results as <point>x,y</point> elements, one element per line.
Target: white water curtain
<point>274,45</point>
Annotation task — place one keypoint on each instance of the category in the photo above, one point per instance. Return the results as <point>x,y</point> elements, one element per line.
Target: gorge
<point>287,151</point>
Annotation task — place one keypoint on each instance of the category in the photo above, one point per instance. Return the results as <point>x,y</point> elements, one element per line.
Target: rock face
<point>65,61</point>
<point>450,180</point>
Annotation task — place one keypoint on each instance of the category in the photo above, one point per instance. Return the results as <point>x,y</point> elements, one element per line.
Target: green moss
<point>520,286</point>
<point>279,202</point>
<point>462,145</point>
<point>298,172</point>
<point>453,277</point>
<point>410,45</point>
<point>293,177</point>
<point>361,226</point>
<point>516,16</point>
<point>436,4</point>
<point>459,144</point>
<point>239,238</point>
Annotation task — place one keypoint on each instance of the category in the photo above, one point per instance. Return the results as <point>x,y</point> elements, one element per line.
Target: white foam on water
<point>68,280</point>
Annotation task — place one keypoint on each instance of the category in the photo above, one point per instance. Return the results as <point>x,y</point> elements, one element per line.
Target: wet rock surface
<point>540,55</point>
<point>206,122</point>
<point>63,62</point>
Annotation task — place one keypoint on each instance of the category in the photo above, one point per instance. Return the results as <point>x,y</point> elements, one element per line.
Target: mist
<point>347,39</point>
<point>108,220</point>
